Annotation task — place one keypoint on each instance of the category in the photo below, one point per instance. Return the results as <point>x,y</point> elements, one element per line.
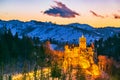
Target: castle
<point>82,56</point>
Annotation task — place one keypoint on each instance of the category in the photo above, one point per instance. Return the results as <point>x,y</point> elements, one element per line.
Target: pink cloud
<point>95,14</point>
<point>61,10</point>
<point>116,16</point>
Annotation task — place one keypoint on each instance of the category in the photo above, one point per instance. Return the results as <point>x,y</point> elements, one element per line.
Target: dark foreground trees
<point>109,47</point>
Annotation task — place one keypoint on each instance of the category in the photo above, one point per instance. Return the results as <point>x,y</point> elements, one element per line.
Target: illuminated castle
<point>82,56</point>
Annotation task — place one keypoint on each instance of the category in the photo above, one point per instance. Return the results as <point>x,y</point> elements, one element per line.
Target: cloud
<point>97,15</point>
<point>61,10</point>
<point>116,16</point>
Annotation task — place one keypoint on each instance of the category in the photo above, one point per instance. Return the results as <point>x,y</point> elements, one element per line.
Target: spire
<point>82,42</point>
<point>82,36</point>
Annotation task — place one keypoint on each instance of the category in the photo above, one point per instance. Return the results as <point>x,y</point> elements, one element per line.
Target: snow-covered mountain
<point>62,33</point>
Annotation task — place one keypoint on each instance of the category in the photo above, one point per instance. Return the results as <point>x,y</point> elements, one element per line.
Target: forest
<point>109,47</point>
<point>25,54</point>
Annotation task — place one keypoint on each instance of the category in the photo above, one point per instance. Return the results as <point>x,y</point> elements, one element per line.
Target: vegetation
<point>26,54</point>
<point>19,53</point>
<point>109,47</point>
<point>55,71</point>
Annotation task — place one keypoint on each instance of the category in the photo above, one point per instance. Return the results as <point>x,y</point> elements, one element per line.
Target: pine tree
<point>55,71</point>
<point>35,72</point>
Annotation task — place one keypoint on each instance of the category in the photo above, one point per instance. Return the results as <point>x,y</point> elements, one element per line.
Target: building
<point>82,56</point>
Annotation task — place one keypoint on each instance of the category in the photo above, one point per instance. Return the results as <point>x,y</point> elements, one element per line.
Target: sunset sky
<point>97,13</point>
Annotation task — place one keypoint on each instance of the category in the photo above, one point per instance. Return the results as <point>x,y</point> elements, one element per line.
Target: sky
<point>97,13</point>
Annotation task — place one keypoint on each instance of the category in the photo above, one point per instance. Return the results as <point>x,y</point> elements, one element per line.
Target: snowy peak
<point>82,26</point>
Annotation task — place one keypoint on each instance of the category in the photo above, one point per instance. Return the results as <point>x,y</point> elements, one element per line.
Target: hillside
<point>60,33</point>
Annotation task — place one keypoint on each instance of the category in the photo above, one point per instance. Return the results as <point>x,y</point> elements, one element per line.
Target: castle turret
<point>82,42</point>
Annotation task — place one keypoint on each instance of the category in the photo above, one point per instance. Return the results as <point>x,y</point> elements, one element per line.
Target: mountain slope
<point>62,33</point>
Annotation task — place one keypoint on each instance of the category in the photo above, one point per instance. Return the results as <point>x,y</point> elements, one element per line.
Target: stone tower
<point>82,42</point>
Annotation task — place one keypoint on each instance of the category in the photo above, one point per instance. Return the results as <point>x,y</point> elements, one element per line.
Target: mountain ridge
<point>59,24</point>
<point>60,33</point>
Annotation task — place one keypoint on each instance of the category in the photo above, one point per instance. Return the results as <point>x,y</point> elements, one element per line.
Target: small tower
<point>66,48</point>
<point>82,42</point>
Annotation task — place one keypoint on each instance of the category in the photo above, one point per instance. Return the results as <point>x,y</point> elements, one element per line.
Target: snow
<point>61,33</point>
<point>53,46</point>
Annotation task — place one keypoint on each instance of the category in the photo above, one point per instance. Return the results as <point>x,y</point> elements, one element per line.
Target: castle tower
<point>82,42</point>
<point>66,48</point>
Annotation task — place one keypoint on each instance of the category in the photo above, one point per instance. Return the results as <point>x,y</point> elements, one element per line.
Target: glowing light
<point>30,75</point>
<point>81,56</point>
<point>84,64</point>
<point>95,70</point>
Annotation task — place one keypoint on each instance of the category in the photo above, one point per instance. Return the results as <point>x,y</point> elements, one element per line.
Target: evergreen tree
<point>35,72</point>
<point>55,71</point>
